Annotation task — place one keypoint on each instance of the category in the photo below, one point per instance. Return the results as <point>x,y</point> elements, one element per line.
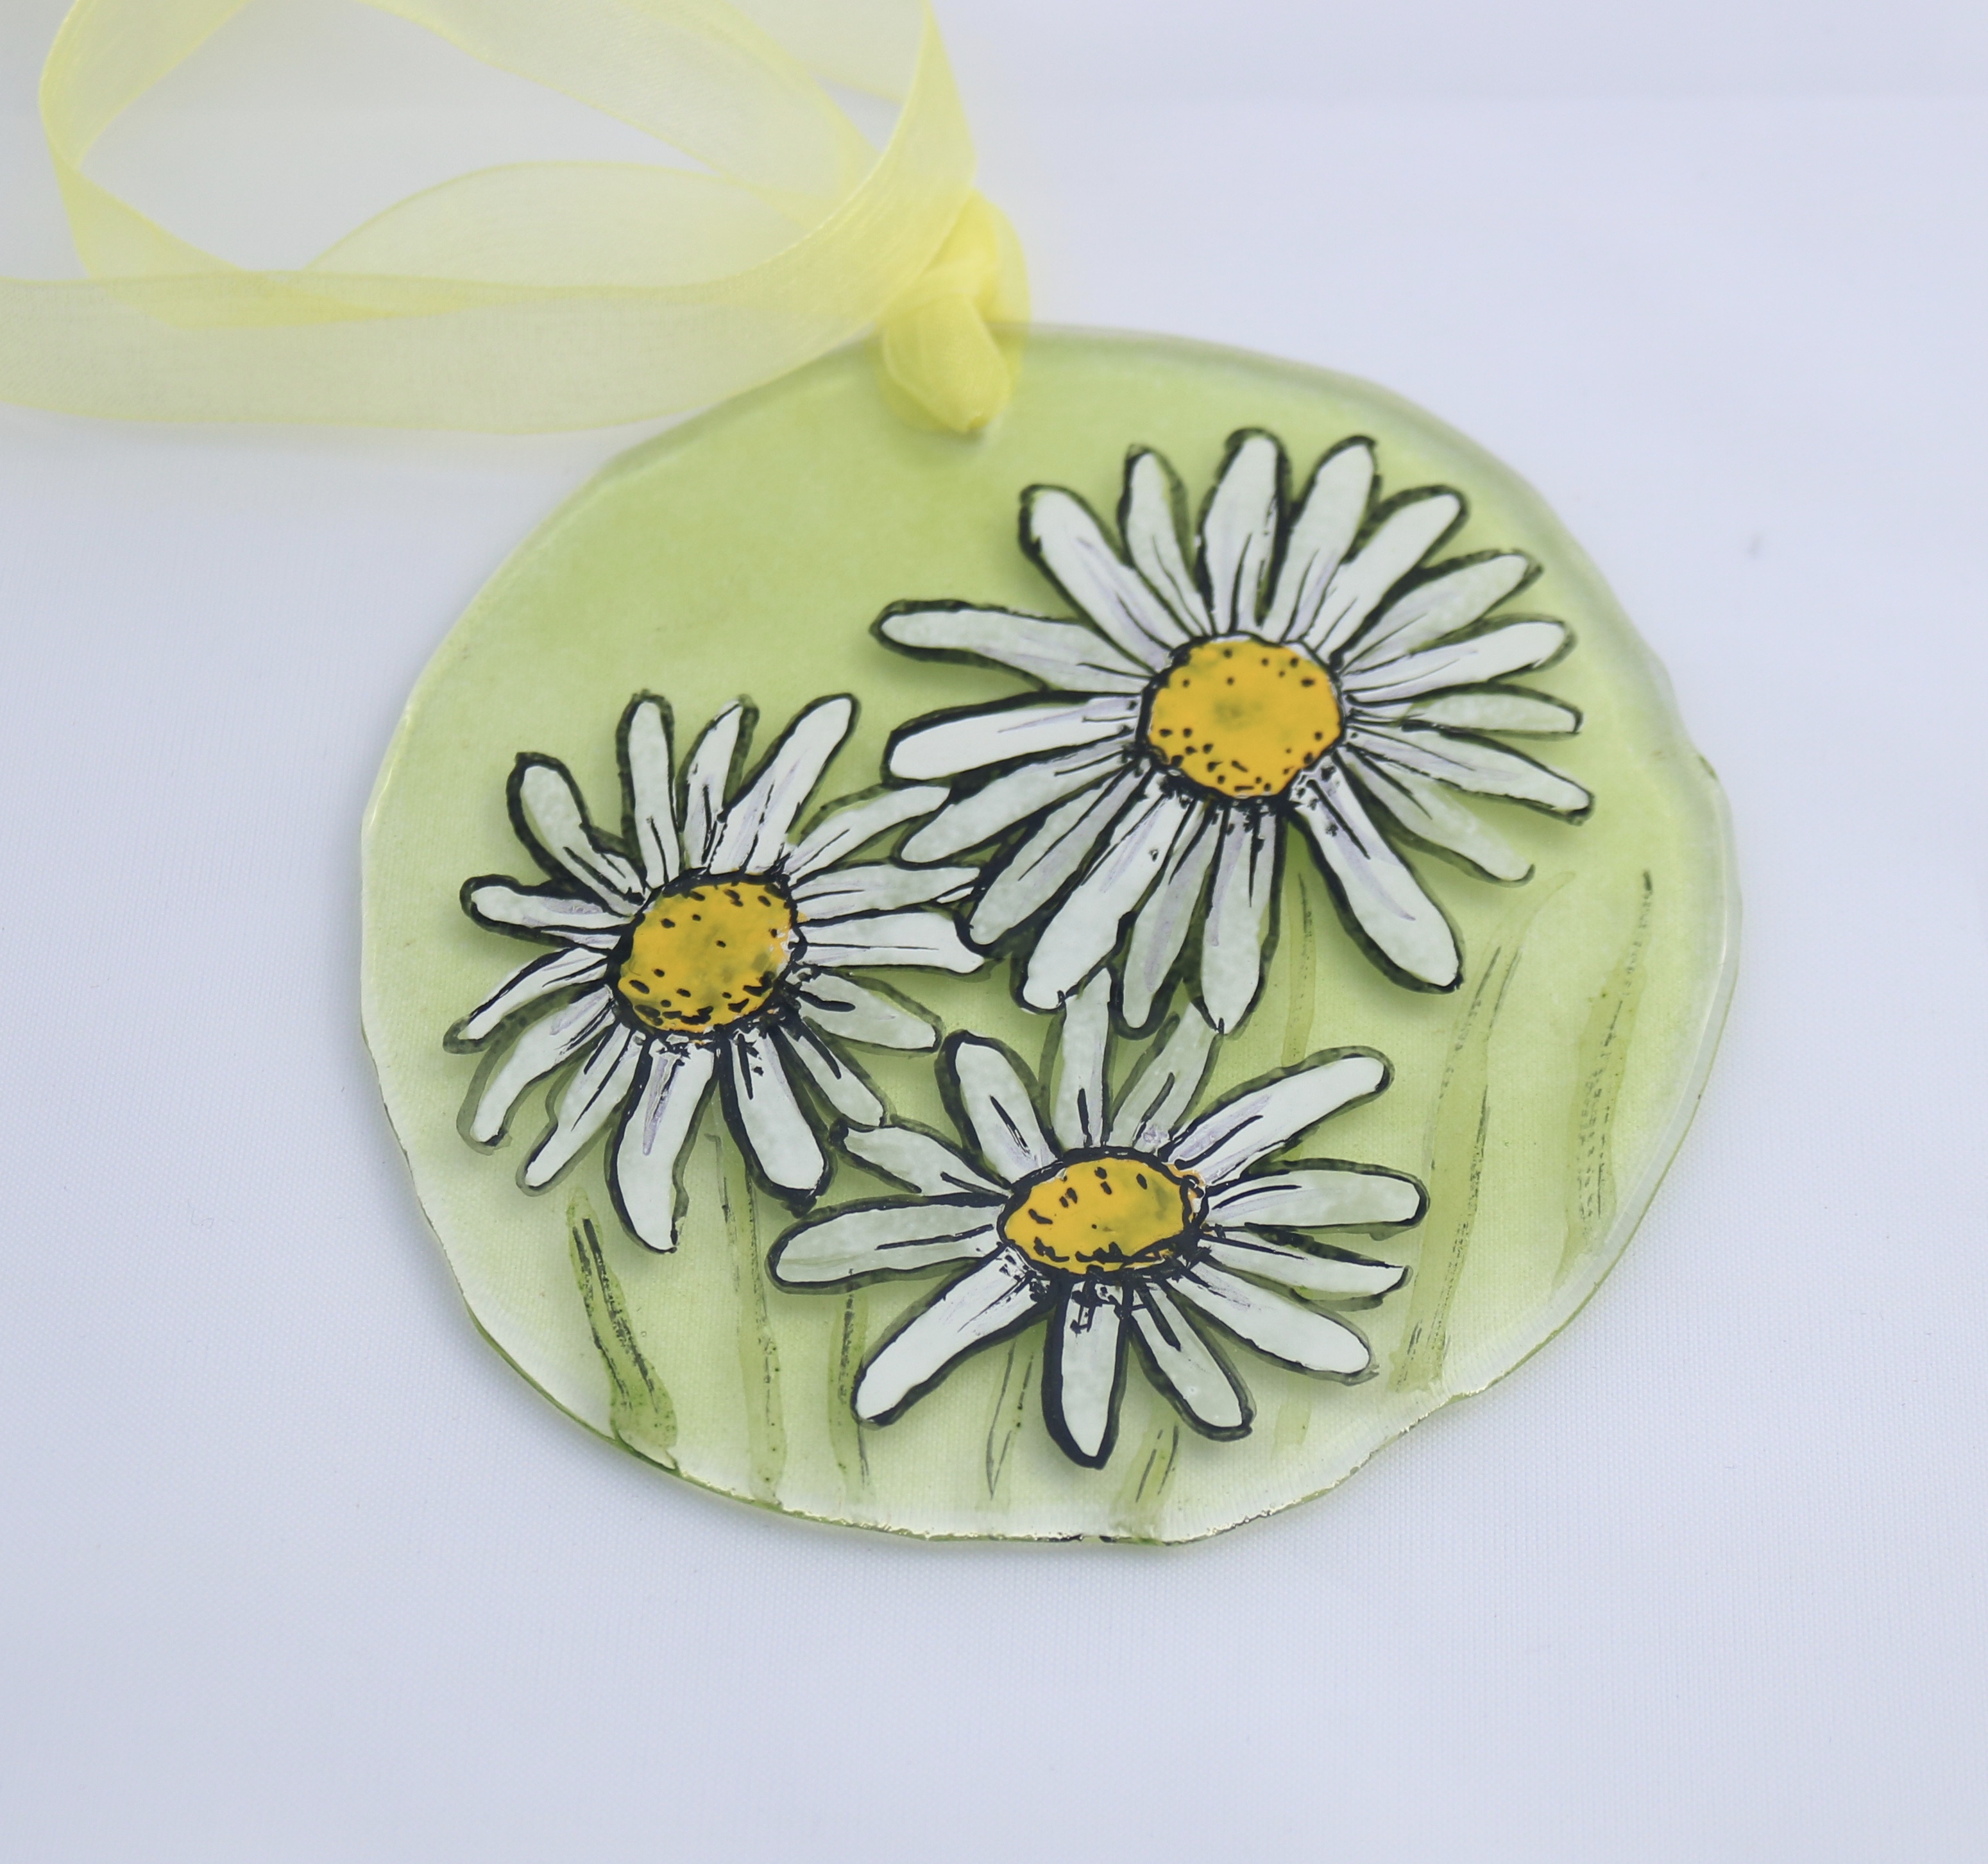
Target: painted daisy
<point>1114,1225</point>
<point>711,943</point>
<point>1289,676</point>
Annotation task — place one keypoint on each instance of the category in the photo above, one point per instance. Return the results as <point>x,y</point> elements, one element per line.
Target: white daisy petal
<point>653,1136</point>
<point>1223,1144</point>
<point>1424,808</point>
<point>1358,587</point>
<point>848,825</point>
<point>1331,1277</point>
<point>1438,607</point>
<point>1001,1294</point>
<point>1077,1109</point>
<point>1318,1197</point>
<point>844,1090</point>
<point>1495,709</point>
<point>1161,928</point>
<point>879,888</point>
<point>883,1238</point>
<point>1040,869</point>
<point>1321,534</point>
<point>927,1165</point>
<point>1157,1099</point>
<point>1472,661</point>
<point>1149,516</point>
<point>1064,538</point>
<point>705,779</point>
<point>841,1007</point>
<point>556,971</point>
<point>553,816</point>
<point>790,779</point>
<point>1061,654</point>
<point>1238,535</point>
<point>1238,909</point>
<point>998,1111</point>
<point>554,1039</point>
<point>987,811</point>
<point>645,748</point>
<point>499,903</point>
<point>1388,901</point>
<point>782,790</point>
<point>1085,928</point>
<point>597,1090</point>
<point>1081,1367</point>
<point>1001,732</point>
<point>930,940</point>
<point>1078,1087</point>
<point>776,1130</point>
<point>1185,1362</point>
<point>1469,763</point>
<point>1313,1342</point>
<point>754,833</point>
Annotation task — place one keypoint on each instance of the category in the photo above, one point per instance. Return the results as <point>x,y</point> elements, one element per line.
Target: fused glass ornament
<point>1076,982</point>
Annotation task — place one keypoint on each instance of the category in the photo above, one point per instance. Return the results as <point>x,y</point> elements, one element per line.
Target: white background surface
<point>294,1568</point>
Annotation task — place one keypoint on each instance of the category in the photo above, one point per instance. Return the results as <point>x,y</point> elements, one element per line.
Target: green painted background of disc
<point>747,553</point>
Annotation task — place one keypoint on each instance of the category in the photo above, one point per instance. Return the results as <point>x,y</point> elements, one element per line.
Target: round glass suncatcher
<point>1072,983</point>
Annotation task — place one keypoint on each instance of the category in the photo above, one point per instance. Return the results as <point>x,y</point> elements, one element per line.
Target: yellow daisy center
<point>1102,1214</point>
<point>707,952</point>
<point>1243,717</point>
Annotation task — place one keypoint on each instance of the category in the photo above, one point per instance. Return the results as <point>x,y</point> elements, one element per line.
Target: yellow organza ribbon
<point>551,295</point>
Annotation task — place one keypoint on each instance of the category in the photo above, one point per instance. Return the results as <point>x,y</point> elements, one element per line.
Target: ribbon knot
<point>934,339</point>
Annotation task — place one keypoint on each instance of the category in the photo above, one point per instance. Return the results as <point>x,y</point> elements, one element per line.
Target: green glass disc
<point>1538,1094</point>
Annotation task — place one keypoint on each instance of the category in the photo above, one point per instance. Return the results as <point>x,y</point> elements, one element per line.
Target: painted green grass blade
<point>1604,1061</point>
<point>1150,1473</point>
<point>759,1352</point>
<point>643,1417</point>
<point>1011,1412</point>
<point>1458,1132</point>
<point>845,1433</point>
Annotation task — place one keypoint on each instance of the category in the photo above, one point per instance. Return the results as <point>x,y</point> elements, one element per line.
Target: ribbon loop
<point>550,295</point>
